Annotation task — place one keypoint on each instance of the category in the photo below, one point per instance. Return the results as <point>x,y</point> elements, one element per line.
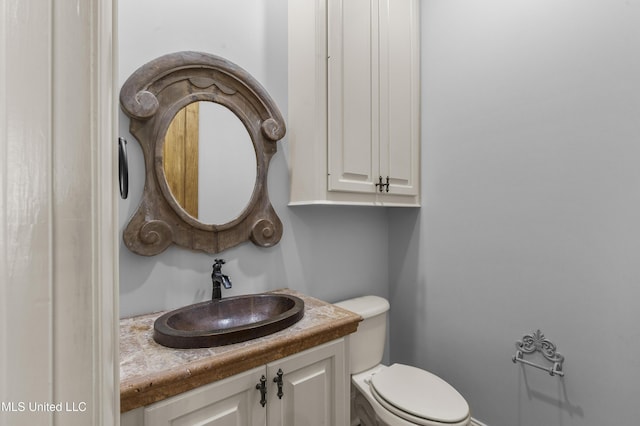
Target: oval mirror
<point>223,200</point>
<point>209,162</point>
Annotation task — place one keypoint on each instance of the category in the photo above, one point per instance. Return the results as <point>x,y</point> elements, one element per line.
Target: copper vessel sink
<point>225,321</point>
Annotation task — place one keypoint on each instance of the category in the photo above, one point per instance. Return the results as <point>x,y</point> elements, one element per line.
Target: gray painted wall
<point>531,207</point>
<point>327,252</point>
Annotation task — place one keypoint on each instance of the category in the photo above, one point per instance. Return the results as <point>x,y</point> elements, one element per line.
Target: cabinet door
<point>352,96</point>
<point>230,402</point>
<point>399,95</point>
<point>315,388</point>
<point>373,95</point>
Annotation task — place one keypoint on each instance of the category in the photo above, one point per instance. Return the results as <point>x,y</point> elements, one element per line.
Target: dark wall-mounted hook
<point>123,168</point>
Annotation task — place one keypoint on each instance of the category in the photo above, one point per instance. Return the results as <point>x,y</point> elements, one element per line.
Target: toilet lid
<point>420,394</point>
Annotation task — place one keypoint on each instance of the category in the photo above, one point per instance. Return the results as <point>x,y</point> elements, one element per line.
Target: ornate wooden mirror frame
<point>151,97</point>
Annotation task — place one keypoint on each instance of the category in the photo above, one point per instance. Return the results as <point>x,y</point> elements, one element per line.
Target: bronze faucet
<point>218,279</point>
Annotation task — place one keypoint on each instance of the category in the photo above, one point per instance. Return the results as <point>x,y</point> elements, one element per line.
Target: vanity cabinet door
<point>315,386</point>
<point>230,402</point>
<point>315,391</point>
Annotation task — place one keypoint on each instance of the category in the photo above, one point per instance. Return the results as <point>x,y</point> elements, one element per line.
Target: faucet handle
<point>217,265</point>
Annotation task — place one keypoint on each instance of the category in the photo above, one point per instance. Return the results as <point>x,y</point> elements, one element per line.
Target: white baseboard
<point>475,422</point>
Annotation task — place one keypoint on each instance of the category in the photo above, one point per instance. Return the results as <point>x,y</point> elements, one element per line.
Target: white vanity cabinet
<point>315,386</point>
<point>232,401</point>
<point>354,90</point>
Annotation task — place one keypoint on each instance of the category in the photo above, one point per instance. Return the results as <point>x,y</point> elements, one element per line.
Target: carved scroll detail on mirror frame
<point>151,97</point>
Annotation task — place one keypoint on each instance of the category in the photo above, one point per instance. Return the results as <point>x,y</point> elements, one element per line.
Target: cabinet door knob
<point>278,380</point>
<point>262,387</point>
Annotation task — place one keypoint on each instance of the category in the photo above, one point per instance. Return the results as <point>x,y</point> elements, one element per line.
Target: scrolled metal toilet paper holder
<point>536,342</point>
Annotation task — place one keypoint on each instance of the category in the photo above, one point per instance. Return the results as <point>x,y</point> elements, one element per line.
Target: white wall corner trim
<point>58,218</point>
<point>106,359</point>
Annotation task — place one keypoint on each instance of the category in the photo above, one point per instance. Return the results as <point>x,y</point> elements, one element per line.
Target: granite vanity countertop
<point>150,372</point>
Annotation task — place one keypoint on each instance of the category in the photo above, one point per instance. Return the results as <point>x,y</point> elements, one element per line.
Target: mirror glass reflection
<point>209,162</point>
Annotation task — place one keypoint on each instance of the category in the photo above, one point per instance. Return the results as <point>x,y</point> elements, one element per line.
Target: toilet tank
<point>366,345</point>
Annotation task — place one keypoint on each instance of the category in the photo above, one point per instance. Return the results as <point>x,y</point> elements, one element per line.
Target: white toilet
<point>397,395</point>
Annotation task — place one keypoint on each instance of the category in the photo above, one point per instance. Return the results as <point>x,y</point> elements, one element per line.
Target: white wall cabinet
<point>354,120</point>
<point>315,392</point>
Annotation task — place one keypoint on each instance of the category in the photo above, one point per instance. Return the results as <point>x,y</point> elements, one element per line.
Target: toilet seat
<point>418,396</point>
